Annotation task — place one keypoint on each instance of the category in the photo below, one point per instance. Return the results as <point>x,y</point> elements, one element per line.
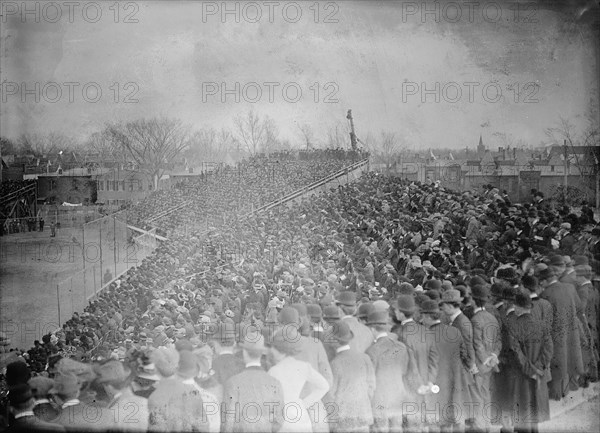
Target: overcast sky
<point>493,70</point>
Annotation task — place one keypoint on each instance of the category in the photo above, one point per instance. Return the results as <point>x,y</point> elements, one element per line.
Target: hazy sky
<point>494,69</point>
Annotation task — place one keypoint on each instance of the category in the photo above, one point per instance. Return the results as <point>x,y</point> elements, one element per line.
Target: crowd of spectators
<point>9,186</point>
<point>373,253</point>
<point>229,192</point>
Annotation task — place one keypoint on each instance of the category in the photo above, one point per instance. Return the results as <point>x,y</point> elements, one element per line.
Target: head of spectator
<point>40,387</point>
<point>379,322</point>
<point>342,334</point>
<point>451,302</point>
<point>430,313</point>
<point>347,302</point>
<point>253,348</point>
<point>331,314</point>
<point>114,377</point>
<point>405,307</point>
<point>523,303</point>
<point>66,388</point>
<point>480,295</point>
<point>17,372</point>
<point>530,284</point>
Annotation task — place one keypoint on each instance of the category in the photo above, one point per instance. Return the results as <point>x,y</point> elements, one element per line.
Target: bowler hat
<point>430,306</point>
<point>451,295</point>
<point>364,310</point>
<point>378,317</point>
<point>331,312</point>
<point>523,300</point>
<point>314,311</point>
<point>480,292</point>
<point>406,304</point>
<point>289,315</point>
<point>342,332</point>
<point>347,298</point>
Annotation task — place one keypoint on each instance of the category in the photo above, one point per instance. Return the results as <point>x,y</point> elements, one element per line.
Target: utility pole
<point>353,140</point>
<point>566,170</point>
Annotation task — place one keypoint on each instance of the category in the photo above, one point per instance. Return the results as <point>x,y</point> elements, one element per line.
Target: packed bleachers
<point>384,243</point>
<point>9,186</point>
<point>229,191</point>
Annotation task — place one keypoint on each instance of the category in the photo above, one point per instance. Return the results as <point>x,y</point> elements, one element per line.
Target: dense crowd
<point>380,305</point>
<point>229,192</point>
<point>9,186</point>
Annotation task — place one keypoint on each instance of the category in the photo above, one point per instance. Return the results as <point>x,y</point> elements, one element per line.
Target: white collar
<point>342,348</point>
<point>189,381</point>
<point>478,309</point>
<point>347,317</point>
<point>72,402</point>
<point>404,322</point>
<point>454,316</point>
<point>383,334</point>
<point>510,310</point>
<point>41,401</point>
<point>254,364</point>
<point>499,304</point>
<point>24,414</point>
<point>533,295</point>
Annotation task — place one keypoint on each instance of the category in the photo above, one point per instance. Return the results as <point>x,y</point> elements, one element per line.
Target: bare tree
<point>103,144</point>
<point>152,143</point>
<point>337,136</point>
<point>203,146</point>
<point>388,147</point>
<point>307,135</point>
<point>255,133</point>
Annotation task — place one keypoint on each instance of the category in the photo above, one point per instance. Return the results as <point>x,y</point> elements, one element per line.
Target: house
<point>76,185</point>
<point>118,187</point>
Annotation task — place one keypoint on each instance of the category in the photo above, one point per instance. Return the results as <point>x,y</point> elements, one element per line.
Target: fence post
<point>72,296</point>
<point>58,304</point>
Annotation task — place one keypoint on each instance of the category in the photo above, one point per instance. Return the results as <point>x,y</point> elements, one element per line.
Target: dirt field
<point>33,264</point>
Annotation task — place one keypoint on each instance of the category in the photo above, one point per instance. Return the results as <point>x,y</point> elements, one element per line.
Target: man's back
<point>363,338</point>
<point>252,387</point>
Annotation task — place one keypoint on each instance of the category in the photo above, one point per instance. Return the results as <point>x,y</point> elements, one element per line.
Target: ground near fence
<point>31,266</point>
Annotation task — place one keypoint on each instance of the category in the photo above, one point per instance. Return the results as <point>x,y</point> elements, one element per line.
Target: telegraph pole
<point>566,170</point>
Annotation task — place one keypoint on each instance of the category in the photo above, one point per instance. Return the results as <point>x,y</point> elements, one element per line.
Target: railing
<point>16,194</point>
<point>169,211</point>
<point>302,191</point>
